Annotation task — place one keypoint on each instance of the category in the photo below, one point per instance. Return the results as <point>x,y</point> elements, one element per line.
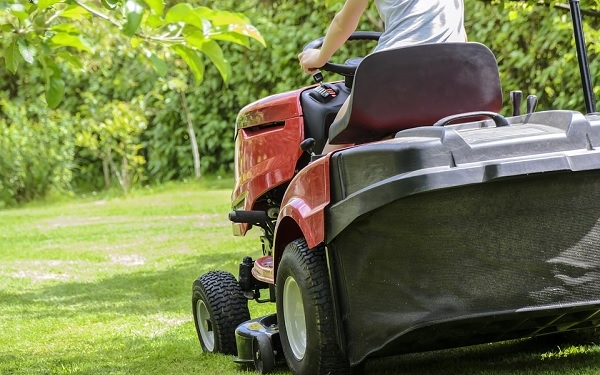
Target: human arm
<point>344,23</point>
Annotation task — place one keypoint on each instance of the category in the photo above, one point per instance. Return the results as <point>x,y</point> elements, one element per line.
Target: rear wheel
<point>305,313</point>
<point>219,306</point>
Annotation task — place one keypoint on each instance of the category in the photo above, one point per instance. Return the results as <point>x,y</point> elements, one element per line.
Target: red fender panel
<point>303,208</point>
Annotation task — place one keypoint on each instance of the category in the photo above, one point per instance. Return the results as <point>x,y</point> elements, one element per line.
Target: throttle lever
<point>532,102</point>
<point>516,97</point>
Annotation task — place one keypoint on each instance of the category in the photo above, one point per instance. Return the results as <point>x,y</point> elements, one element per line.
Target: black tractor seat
<point>415,86</point>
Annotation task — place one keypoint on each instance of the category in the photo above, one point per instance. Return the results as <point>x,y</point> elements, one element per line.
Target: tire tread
<point>227,306</point>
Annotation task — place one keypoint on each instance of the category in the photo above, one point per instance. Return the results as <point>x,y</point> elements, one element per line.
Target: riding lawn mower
<point>445,224</point>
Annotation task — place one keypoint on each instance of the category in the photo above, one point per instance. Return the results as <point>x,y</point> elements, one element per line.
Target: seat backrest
<point>417,85</point>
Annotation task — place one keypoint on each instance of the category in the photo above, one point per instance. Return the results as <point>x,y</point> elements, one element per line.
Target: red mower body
<point>267,136</point>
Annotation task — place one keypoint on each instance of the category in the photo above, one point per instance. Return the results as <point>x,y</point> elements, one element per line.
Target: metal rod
<point>584,68</point>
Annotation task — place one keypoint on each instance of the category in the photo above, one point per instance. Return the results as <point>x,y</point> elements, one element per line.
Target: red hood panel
<point>266,156</point>
<point>272,109</point>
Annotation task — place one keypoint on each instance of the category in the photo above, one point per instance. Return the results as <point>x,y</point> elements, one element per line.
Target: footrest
<point>263,269</point>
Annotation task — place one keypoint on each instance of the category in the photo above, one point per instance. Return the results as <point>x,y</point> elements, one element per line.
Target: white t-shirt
<point>420,21</point>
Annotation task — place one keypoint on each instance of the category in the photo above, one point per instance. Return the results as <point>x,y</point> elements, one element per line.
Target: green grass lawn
<point>94,286</point>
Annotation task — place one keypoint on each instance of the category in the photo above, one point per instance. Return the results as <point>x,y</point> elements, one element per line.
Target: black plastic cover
<point>461,266</point>
<point>431,158</point>
<point>318,114</point>
<point>465,234</point>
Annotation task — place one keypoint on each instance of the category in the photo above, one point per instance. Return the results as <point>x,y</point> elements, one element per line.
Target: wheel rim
<point>205,326</point>
<point>295,320</point>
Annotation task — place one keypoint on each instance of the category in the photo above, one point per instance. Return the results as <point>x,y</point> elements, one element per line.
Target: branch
<point>96,13</point>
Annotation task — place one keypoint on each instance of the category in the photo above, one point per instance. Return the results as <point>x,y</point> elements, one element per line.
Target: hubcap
<point>295,321</point>
<point>206,332</point>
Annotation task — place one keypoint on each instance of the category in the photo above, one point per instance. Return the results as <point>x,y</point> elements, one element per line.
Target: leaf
<point>215,53</point>
<point>43,4</point>
<point>55,91</point>
<point>211,49</point>
<point>134,12</point>
<point>71,59</point>
<point>233,38</point>
<point>75,12</point>
<point>154,21</point>
<point>7,27</point>
<point>11,57</point>
<point>194,38</point>
<point>159,66</point>
<point>227,18</point>
<point>110,4</point>
<point>193,61</point>
<point>18,10</point>
<point>157,6</point>
<point>70,40</point>
<point>55,86</point>
<point>27,52</point>
<point>66,28</point>
<point>247,30</point>
<point>184,13</point>
<point>204,12</point>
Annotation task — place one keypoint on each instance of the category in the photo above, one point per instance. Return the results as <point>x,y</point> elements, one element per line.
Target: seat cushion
<point>415,86</point>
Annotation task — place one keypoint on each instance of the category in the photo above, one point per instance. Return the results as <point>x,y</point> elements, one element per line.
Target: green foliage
<point>111,133</point>
<point>534,45</point>
<point>532,41</point>
<point>36,151</point>
<point>40,31</point>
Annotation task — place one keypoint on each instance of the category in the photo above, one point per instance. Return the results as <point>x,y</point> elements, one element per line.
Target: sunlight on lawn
<point>104,287</point>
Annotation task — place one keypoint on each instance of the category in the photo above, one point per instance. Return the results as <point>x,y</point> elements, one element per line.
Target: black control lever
<point>532,102</point>
<point>308,145</point>
<point>516,97</point>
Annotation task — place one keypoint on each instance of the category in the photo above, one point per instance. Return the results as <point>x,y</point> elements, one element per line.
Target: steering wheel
<point>346,69</point>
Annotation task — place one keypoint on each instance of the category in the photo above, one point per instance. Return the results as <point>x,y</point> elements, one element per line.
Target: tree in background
<point>532,41</point>
<point>53,41</point>
<point>43,30</point>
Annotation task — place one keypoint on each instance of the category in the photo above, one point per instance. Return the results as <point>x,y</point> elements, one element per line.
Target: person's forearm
<point>337,33</point>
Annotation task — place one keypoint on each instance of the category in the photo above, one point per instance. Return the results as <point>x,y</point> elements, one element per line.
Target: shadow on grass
<point>539,356</point>
<point>175,350</point>
<point>140,292</point>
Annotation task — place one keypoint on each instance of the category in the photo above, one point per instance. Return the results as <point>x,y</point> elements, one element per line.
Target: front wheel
<point>305,313</point>
<point>219,306</point>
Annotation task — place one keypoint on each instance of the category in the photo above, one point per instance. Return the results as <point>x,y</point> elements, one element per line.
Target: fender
<point>303,208</point>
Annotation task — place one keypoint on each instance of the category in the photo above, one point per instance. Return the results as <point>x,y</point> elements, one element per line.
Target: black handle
<point>516,97</point>
<point>498,119</point>
<point>345,70</point>
<point>248,217</point>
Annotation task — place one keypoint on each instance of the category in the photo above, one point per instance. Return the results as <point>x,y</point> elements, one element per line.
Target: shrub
<point>36,151</point>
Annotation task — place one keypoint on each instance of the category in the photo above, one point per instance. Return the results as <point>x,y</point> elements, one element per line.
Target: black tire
<point>305,313</point>
<point>264,357</point>
<point>219,306</point>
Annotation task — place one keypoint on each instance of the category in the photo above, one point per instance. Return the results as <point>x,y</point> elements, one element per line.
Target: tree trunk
<point>192,134</point>
<point>106,170</point>
<point>122,182</point>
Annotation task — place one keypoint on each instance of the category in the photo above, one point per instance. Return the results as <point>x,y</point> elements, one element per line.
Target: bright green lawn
<point>93,286</point>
